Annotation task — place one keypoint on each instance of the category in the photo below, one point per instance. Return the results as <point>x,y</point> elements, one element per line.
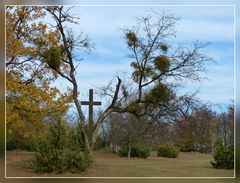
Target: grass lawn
<point>107,164</point>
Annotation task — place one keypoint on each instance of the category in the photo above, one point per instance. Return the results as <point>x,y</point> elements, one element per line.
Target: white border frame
<point>108,5</point>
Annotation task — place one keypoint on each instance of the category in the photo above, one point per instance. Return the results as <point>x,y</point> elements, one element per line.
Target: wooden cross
<point>91,103</point>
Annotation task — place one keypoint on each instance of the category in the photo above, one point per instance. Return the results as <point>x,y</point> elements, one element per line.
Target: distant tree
<point>225,126</point>
<point>127,130</point>
<point>200,127</point>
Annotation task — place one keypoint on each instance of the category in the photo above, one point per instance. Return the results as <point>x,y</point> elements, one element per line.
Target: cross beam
<point>91,103</point>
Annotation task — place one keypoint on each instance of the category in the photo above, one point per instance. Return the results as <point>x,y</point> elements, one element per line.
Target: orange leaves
<point>53,38</point>
<point>27,35</point>
<point>30,100</point>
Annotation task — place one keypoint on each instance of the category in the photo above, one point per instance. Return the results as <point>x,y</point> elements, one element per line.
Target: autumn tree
<point>30,98</point>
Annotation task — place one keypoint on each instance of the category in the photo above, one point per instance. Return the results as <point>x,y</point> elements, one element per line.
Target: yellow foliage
<point>29,104</point>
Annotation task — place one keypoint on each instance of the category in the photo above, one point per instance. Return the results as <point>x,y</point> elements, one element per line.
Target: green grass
<point>107,164</point>
<point>186,165</point>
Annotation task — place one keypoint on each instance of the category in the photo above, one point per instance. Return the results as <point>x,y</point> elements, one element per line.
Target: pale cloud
<point>205,30</point>
<point>205,23</point>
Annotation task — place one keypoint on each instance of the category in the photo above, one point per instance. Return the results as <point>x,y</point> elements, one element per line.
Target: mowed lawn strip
<point>107,164</point>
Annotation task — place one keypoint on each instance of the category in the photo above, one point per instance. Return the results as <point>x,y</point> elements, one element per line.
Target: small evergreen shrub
<point>123,151</point>
<point>49,159</point>
<point>73,140</point>
<point>101,142</point>
<point>11,144</point>
<point>53,153</point>
<point>140,152</point>
<point>224,156</point>
<point>32,144</point>
<point>137,151</point>
<point>77,161</point>
<point>168,151</point>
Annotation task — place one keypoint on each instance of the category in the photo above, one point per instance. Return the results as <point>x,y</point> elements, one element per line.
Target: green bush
<point>11,144</point>
<point>73,140</point>
<point>77,161</point>
<point>137,151</point>
<point>123,151</point>
<point>168,151</point>
<point>54,154</point>
<point>140,152</point>
<point>224,156</point>
<point>101,142</point>
<point>31,144</point>
<point>49,159</point>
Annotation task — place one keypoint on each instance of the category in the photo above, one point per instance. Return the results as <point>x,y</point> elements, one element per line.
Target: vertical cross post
<point>90,103</point>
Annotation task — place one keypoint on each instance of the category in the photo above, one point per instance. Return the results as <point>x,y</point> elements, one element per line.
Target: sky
<point>212,24</point>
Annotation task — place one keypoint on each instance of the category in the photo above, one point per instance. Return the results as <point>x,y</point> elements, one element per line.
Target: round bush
<point>50,159</point>
<point>11,144</point>
<point>123,151</point>
<point>77,161</point>
<point>224,156</point>
<point>168,151</point>
<point>138,151</point>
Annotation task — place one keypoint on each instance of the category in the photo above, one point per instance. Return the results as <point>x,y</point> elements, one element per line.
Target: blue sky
<point>214,24</point>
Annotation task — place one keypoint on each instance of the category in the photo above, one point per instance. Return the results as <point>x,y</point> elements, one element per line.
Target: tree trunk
<point>129,149</point>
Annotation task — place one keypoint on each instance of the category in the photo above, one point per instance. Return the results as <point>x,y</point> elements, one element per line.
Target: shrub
<point>123,151</point>
<point>168,151</point>
<point>73,140</point>
<point>77,161</point>
<point>49,159</point>
<point>224,156</point>
<point>137,151</point>
<point>32,144</point>
<point>53,153</point>
<point>11,144</point>
<point>140,152</point>
<point>101,142</point>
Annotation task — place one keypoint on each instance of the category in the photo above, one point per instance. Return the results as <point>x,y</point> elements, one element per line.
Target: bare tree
<point>156,67</point>
<point>128,130</point>
<point>68,69</point>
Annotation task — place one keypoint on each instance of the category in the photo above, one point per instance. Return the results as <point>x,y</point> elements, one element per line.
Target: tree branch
<point>107,111</point>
